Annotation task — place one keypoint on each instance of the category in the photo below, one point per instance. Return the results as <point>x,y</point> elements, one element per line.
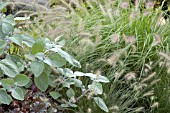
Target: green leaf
<point>7,83</point>
<point>37,68</point>
<point>28,85</point>
<point>2,44</point>
<point>68,57</point>
<point>16,38</point>
<point>55,94</point>
<point>3,5</point>
<point>21,79</point>
<point>28,40</point>
<point>30,57</point>
<point>64,105</point>
<point>17,94</point>
<point>72,105</point>
<point>77,83</point>
<point>52,81</point>
<point>97,87</point>
<point>7,28</point>
<point>18,61</point>
<point>101,104</point>
<point>39,46</point>
<point>67,83</point>
<point>97,78</point>
<point>70,93</point>
<point>42,82</point>
<point>102,79</point>
<point>9,19</point>
<point>9,68</point>
<point>40,56</point>
<point>2,35</point>
<point>57,60</point>
<point>4,97</point>
<point>66,71</point>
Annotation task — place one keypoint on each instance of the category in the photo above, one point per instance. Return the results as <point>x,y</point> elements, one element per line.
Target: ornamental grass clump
<point>118,40</point>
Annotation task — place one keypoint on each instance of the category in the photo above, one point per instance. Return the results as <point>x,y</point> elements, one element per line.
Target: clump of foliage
<point>34,77</point>
<point>116,39</point>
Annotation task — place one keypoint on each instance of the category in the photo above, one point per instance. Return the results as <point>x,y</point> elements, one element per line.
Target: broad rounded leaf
<point>9,19</point>
<point>97,78</point>
<point>57,60</point>
<point>7,28</point>
<point>55,94</point>
<point>96,87</point>
<point>37,68</point>
<point>101,104</point>
<point>2,35</point>
<point>28,40</point>
<point>68,57</point>
<point>4,97</point>
<point>7,83</point>
<point>21,79</point>
<point>3,5</point>
<point>77,83</point>
<point>39,46</point>
<point>70,93</point>
<point>16,39</point>
<point>40,55</point>
<point>66,71</point>
<point>30,57</point>
<point>18,94</point>
<point>9,68</point>
<point>42,82</point>
<point>102,79</point>
<point>18,60</point>
<point>2,44</point>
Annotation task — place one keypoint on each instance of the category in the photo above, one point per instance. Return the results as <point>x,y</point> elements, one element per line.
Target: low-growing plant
<point>39,66</point>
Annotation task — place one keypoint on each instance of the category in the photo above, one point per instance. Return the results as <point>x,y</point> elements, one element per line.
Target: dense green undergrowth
<point>119,41</point>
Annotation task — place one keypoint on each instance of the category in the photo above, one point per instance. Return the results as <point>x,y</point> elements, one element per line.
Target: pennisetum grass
<point>118,40</point>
